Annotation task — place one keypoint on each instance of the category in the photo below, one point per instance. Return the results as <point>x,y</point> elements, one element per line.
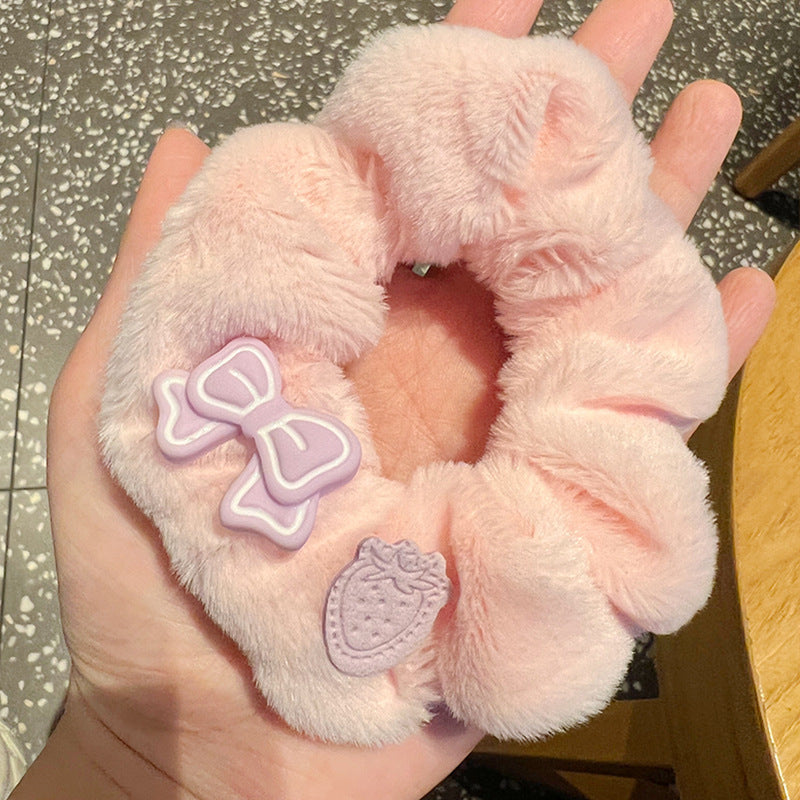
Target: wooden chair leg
<point>776,159</point>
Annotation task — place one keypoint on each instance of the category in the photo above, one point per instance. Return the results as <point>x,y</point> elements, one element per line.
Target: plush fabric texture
<point>586,519</point>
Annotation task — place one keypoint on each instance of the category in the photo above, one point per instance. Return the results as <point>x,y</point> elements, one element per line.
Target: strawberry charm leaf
<point>405,581</point>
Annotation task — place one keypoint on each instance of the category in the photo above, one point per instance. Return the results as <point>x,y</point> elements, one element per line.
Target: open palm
<point>160,703</point>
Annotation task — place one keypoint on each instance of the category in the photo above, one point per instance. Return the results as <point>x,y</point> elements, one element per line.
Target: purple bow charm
<point>300,454</point>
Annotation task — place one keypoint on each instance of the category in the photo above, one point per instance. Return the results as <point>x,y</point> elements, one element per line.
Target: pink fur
<point>586,520</point>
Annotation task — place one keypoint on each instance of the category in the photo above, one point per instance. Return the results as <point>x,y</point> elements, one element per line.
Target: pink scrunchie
<point>586,519</point>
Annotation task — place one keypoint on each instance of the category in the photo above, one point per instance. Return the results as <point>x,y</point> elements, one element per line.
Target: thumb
<point>76,396</point>
<point>176,158</point>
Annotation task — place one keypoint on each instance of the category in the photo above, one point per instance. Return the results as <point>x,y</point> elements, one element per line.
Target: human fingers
<point>691,144</point>
<point>688,148</point>
<point>627,35</point>
<point>510,18</point>
<point>748,297</point>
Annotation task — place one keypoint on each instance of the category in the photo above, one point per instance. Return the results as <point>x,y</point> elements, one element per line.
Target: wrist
<point>84,758</point>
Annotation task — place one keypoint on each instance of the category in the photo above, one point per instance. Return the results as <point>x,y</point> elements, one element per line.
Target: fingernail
<point>181,124</point>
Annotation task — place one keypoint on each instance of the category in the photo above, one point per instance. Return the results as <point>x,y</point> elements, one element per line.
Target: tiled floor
<point>33,660</point>
<point>86,86</point>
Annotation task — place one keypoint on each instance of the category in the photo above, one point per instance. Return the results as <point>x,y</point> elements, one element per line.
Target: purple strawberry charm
<point>382,606</point>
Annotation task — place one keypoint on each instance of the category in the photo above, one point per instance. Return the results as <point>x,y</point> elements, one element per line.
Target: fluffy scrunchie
<point>586,519</point>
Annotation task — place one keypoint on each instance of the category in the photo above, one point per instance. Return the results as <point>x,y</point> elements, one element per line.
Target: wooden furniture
<point>766,513</point>
<point>776,159</point>
<point>731,680</point>
<point>727,722</point>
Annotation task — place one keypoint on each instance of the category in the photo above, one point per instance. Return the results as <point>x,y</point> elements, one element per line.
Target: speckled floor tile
<point>12,296</point>
<point>23,25</point>
<point>33,660</point>
<point>474,781</point>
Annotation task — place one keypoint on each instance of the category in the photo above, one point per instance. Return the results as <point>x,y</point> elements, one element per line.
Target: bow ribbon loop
<point>239,380</point>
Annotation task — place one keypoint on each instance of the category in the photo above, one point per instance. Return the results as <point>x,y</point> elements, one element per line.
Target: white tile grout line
<point>7,523</point>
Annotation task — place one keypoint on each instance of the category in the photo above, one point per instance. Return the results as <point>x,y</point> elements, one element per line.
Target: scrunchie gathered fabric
<point>511,589</point>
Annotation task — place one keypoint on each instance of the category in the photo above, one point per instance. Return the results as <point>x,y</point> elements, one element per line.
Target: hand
<point>160,703</point>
